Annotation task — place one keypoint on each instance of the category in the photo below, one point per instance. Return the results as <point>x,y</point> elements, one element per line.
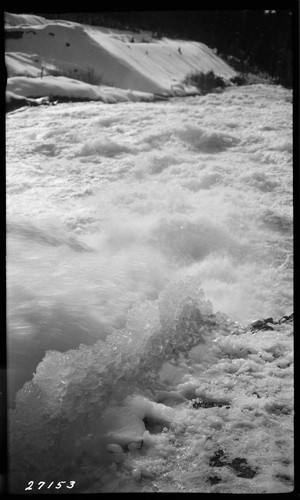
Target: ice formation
<point>63,410</point>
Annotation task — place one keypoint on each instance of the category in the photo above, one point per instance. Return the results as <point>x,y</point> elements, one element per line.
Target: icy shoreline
<point>108,96</point>
<point>217,417</point>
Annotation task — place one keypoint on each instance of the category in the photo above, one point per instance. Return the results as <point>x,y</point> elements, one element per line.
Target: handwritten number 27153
<point>58,485</point>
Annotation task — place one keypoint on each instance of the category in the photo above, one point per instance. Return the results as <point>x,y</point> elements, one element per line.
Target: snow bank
<point>73,89</point>
<point>34,44</point>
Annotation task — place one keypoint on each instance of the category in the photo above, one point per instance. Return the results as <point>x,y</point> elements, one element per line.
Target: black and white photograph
<point>149,250</point>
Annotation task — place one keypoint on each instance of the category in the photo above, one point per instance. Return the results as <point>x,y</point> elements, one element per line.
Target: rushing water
<point>110,206</point>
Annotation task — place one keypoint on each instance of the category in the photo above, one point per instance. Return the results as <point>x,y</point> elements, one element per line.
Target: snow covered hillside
<point>46,57</point>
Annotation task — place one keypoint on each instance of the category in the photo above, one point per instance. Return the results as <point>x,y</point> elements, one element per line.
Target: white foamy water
<point>108,206</point>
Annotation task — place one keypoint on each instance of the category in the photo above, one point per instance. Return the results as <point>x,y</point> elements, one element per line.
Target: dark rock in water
<point>284,478</point>
<point>205,403</point>
<point>259,323</point>
<point>256,394</point>
<point>268,320</point>
<point>214,480</point>
<point>218,459</point>
<point>284,319</point>
<point>242,468</point>
<point>239,466</point>
<point>268,323</point>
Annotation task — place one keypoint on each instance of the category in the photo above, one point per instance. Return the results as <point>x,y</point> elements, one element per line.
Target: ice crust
<point>61,408</point>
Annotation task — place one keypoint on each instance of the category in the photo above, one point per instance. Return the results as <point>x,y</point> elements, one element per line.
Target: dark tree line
<point>258,40</point>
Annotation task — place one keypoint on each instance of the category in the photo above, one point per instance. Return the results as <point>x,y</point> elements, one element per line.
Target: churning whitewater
<point>123,221</point>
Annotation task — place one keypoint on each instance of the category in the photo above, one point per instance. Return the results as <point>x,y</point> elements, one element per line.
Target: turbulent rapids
<point>142,239</point>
